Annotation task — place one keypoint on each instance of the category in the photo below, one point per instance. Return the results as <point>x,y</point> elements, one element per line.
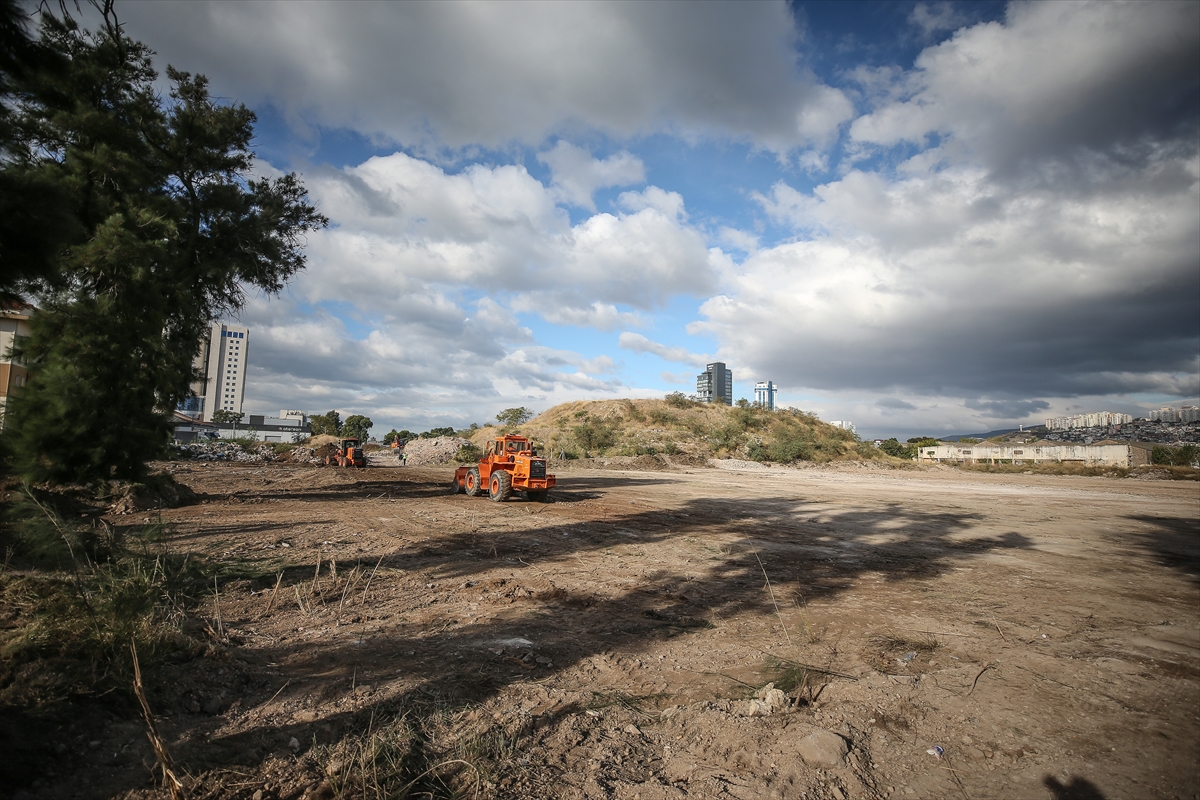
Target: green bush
<point>592,434</point>
<point>661,416</point>
<point>727,437</point>
<point>893,448</point>
<point>680,400</point>
<point>1183,456</point>
<point>468,454</point>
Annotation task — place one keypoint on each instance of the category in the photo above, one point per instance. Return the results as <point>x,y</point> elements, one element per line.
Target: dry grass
<point>651,427</point>
<point>898,654</point>
<point>1089,471</point>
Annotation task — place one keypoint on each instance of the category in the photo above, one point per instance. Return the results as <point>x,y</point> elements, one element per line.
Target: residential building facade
<point>715,384</point>
<point>221,364</point>
<point>1115,454</point>
<point>764,395</point>
<point>1093,420</point>
<point>14,323</point>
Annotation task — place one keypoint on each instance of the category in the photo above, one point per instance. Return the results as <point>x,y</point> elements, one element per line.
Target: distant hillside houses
<point>1094,420</point>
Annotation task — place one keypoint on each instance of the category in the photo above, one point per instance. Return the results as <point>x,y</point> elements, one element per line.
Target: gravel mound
<point>438,450</point>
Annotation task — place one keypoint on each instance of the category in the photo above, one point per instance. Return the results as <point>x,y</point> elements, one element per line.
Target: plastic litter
<point>907,657</point>
<point>936,752</point>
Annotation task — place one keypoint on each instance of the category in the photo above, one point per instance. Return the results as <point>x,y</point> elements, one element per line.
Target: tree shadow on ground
<point>1174,542</point>
<point>1077,789</point>
<point>805,549</point>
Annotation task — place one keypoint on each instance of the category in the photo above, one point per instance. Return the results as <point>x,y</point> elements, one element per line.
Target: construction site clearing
<point>841,631</point>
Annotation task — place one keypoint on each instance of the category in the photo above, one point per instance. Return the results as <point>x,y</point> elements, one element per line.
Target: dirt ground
<point>1043,631</point>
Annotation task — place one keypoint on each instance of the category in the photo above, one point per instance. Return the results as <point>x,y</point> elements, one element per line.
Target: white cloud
<point>640,344</point>
<point>934,17</point>
<point>483,73</point>
<point>950,281</point>
<point>1045,247</point>
<point>576,175</point>
<point>1053,80</point>
<point>403,224</point>
<point>412,298</point>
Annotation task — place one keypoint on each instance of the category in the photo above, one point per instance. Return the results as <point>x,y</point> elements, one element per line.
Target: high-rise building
<point>715,384</point>
<point>1164,414</point>
<point>844,424</point>
<point>764,395</point>
<point>1096,419</point>
<point>14,322</point>
<point>221,364</point>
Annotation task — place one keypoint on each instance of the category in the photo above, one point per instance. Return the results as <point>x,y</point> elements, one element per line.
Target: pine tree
<point>174,233</point>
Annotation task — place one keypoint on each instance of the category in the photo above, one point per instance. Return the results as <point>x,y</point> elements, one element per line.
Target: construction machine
<point>349,454</point>
<point>509,464</point>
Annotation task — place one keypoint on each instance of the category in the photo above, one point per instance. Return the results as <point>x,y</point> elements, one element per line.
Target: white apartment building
<point>223,358</point>
<point>844,424</point>
<point>764,395</point>
<point>1168,414</point>
<point>1095,419</point>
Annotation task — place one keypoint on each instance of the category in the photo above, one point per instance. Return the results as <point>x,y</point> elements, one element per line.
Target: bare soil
<point>1043,631</point>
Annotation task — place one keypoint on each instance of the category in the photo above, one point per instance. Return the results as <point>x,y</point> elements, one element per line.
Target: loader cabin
<point>508,447</point>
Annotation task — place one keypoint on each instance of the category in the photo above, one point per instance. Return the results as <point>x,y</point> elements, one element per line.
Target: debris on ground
<point>436,450</point>
<point>226,451</point>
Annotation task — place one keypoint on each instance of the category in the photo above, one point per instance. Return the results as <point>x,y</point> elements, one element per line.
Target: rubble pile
<point>306,455</point>
<point>225,451</point>
<point>438,450</point>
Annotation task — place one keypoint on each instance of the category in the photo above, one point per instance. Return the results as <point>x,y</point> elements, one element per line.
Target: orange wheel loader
<point>349,454</point>
<point>509,464</point>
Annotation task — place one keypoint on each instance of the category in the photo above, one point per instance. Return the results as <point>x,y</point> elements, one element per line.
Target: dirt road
<point>1044,632</point>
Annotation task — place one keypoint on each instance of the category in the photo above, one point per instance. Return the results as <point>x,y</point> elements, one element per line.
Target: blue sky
<point>922,217</point>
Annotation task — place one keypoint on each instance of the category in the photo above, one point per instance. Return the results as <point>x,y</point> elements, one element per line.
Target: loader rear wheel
<point>472,483</point>
<point>536,495</point>
<point>501,486</point>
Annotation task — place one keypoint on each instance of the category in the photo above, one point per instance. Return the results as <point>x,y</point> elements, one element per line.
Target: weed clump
<point>78,592</point>
<point>899,654</point>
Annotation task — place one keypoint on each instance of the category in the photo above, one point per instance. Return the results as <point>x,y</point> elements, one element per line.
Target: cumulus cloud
<point>576,175</point>
<point>468,73</point>
<point>943,282</point>
<point>934,17</point>
<point>414,294</point>
<point>640,344</point>
<point>1054,80</point>
<point>967,272</point>
<point>404,224</point>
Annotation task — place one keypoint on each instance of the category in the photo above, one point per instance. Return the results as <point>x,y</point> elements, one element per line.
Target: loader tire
<point>536,495</point>
<point>472,483</point>
<point>501,486</point>
<point>455,486</point>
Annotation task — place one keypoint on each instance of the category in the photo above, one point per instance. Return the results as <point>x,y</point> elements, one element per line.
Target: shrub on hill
<point>678,425</point>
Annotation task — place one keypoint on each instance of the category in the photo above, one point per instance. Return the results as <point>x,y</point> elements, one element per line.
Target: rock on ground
<point>823,748</point>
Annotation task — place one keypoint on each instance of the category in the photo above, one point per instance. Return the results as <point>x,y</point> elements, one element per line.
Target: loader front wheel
<point>472,482</point>
<point>501,486</point>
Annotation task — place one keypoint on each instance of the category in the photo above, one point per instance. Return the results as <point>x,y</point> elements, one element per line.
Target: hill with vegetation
<point>678,426</point>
